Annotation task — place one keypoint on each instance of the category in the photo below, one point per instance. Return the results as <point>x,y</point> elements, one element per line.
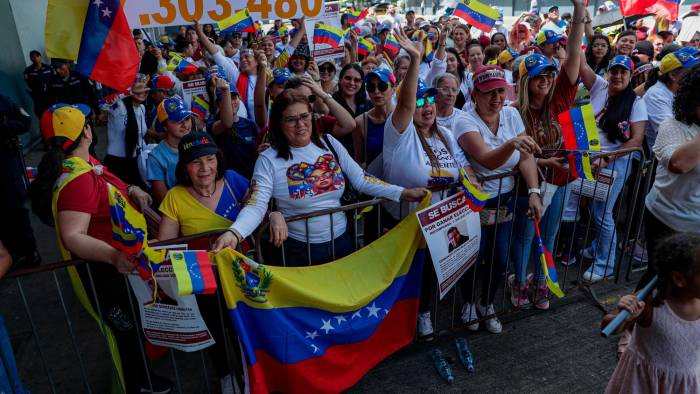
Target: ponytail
<point>50,168</point>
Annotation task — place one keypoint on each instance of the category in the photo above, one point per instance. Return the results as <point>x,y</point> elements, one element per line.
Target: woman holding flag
<point>542,96</point>
<point>80,207</point>
<point>621,117</point>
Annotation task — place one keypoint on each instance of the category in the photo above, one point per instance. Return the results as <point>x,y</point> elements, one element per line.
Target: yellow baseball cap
<point>64,121</point>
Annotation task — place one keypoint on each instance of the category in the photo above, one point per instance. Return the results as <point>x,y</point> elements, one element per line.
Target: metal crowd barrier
<point>59,349</point>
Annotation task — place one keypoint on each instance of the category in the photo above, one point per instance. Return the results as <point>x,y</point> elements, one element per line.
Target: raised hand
<point>413,48</point>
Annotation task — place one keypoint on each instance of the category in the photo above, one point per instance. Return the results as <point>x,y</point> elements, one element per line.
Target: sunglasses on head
<point>326,69</point>
<point>351,79</point>
<point>421,102</point>
<point>381,85</point>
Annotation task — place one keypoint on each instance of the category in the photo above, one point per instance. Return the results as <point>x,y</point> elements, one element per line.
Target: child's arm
<point>629,303</point>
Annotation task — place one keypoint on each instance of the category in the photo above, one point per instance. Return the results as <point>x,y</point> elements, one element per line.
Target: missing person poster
<point>453,232</point>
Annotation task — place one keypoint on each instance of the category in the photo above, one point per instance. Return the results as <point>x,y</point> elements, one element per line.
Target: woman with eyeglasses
<point>455,66</point>
<point>542,96</point>
<point>621,117</point>
<point>496,143</point>
<point>306,172</point>
<point>327,72</point>
<point>418,153</point>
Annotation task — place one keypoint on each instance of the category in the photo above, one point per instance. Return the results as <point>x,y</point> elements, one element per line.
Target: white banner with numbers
<point>151,13</point>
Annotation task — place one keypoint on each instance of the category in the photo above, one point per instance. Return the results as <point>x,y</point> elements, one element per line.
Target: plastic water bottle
<point>442,366</point>
<point>465,355</point>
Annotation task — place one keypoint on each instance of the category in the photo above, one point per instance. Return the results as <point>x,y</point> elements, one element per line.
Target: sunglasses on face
<point>381,85</point>
<point>326,69</point>
<point>548,75</point>
<point>351,79</point>
<point>421,102</point>
<point>293,120</point>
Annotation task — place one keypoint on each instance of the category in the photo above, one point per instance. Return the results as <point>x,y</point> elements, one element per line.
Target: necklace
<point>204,195</point>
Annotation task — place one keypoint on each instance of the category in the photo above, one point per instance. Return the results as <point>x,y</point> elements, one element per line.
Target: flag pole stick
<point>620,318</point>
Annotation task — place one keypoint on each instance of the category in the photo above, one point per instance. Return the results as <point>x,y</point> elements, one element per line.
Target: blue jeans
<point>604,247</point>
<point>296,252</point>
<point>493,252</point>
<point>9,378</point>
<point>524,234</point>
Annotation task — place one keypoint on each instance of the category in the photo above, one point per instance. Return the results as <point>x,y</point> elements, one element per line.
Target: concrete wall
<point>21,29</point>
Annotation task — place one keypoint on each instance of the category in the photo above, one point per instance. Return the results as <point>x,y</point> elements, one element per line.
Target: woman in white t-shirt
<point>495,143</point>
<point>304,174</point>
<point>418,153</point>
<point>621,117</point>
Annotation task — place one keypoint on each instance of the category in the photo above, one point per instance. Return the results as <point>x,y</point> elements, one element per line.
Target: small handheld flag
<point>356,16</point>
<point>479,15</point>
<point>200,107</point>
<point>391,46</point>
<point>428,52</point>
<point>179,65</point>
<point>476,199</point>
<point>238,22</point>
<point>193,272</point>
<point>580,136</point>
<point>364,47</point>
<point>327,34</point>
<point>548,267</point>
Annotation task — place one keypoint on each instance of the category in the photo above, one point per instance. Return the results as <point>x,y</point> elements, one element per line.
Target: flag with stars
<point>321,328</point>
<point>107,52</point>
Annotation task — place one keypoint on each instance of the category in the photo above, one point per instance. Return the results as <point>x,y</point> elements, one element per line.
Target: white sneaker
<point>587,253</point>
<point>425,326</point>
<point>493,325</point>
<point>590,276</point>
<point>469,315</point>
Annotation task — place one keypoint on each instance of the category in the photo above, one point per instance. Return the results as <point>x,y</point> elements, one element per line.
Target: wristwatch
<point>534,190</point>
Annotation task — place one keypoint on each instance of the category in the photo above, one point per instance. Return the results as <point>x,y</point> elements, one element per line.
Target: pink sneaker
<point>541,299</point>
<point>518,292</point>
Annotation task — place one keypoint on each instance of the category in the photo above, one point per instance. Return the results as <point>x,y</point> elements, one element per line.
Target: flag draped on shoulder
<point>580,134</point>
<point>321,328</point>
<point>479,15</point>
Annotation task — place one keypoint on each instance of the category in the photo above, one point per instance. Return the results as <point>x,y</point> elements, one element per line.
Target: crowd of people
<point>285,135</point>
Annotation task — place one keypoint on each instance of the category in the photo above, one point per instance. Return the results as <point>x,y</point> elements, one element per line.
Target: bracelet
<point>235,234</point>
<point>535,190</point>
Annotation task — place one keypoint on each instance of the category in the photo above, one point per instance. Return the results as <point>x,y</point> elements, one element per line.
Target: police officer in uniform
<point>37,77</point>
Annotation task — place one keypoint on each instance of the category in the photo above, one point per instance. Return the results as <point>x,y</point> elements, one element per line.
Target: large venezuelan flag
<point>321,328</point>
<point>108,52</point>
<point>479,15</point>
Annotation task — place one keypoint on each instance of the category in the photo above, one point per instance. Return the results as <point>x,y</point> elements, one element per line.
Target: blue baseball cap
<point>547,36</point>
<point>424,89</point>
<point>534,64</point>
<point>384,74</point>
<point>280,76</point>
<point>682,58</point>
<point>621,61</point>
<point>173,108</point>
<point>384,27</point>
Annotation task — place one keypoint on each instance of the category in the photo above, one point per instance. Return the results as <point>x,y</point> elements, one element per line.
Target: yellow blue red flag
<point>238,22</point>
<point>580,132</point>
<point>321,328</point>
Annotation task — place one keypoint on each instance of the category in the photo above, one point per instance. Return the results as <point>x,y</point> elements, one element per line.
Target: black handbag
<point>350,195</point>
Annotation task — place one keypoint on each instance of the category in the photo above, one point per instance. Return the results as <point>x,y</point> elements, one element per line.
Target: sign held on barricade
<point>598,189</point>
<point>453,234</point>
<point>151,13</point>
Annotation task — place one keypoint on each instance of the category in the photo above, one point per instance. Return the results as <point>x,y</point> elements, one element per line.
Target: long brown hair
<point>551,135</point>
<point>434,130</point>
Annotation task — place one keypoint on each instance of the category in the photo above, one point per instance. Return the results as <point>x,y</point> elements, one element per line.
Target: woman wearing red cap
<point>496,144</point>
<point>542,96</point>
<point>79,207</point>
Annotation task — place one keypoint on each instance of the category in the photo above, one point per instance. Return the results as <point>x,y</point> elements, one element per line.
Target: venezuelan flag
<point>281,32</point>
<point>200,107</point>
<point>391,46</point>
<point>364,47</point>
<point>179,65</point>
<point>428,52</point>
<point>238,22</point>
<point>479,15</point>
<point>356,16</point>
<point>548,267</point>
<point>580,134</point>
<point>476,199</point>
<point>129,233</point>
<point>193,272</point>
<point>327,34</point>
<point>105,45</point>
<point>321,328</point>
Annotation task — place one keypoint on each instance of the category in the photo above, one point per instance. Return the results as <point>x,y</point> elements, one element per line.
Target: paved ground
<point>546,352</point>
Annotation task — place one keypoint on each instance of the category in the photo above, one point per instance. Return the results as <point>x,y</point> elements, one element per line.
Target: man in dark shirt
<point>455,238</point>
<point>37,77</point>
<point>71,88</point>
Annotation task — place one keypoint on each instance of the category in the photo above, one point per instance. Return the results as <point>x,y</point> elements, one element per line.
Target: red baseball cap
<point>488,78</point>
